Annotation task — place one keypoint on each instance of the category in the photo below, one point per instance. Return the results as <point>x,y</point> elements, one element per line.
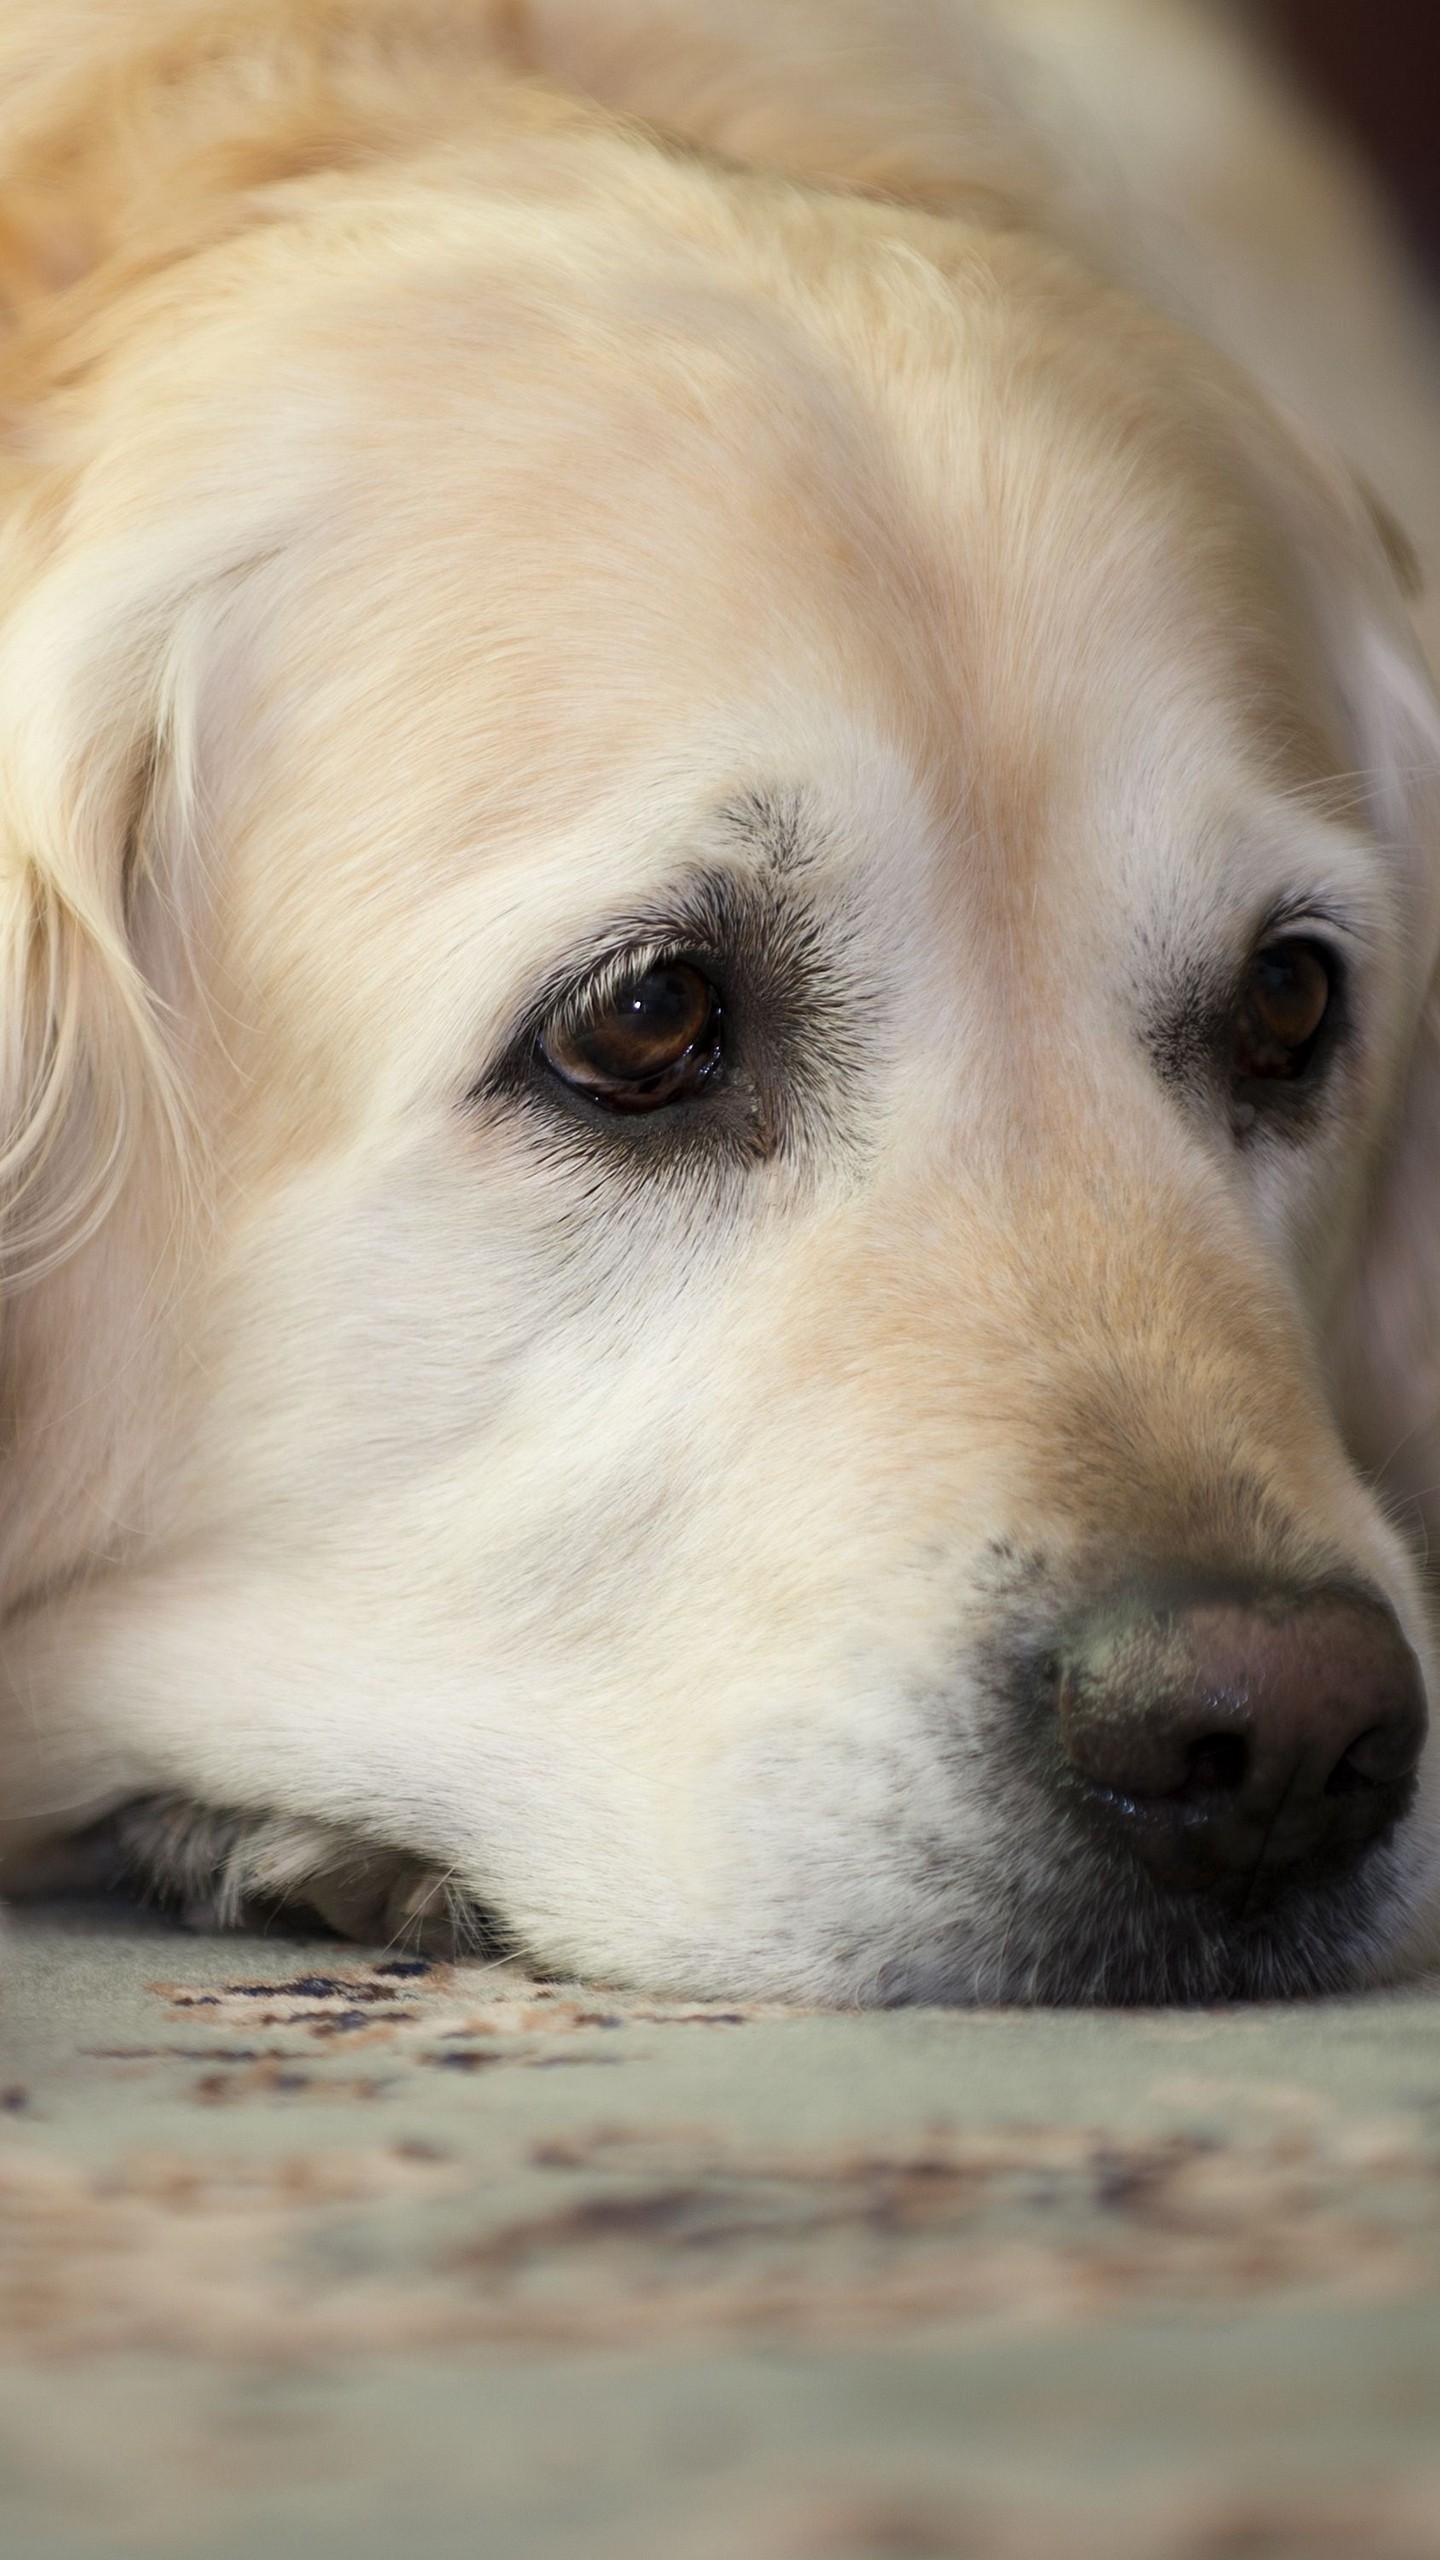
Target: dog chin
<point>954,1909</point>
<point>1121,1944</point>
<point>842,1891</point>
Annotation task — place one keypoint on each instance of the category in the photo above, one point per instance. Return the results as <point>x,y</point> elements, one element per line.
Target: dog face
<point>777,863</point>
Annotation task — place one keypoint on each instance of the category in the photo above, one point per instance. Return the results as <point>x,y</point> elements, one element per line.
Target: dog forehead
<point>589,567</point>
<point>910,494</point>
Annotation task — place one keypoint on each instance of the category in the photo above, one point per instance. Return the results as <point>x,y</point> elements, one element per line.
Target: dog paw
<point>221,1869</point>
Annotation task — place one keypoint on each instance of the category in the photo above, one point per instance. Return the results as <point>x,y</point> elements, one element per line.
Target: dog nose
<point>1227,1736</point>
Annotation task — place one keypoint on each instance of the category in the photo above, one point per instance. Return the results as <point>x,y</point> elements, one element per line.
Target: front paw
<point>223,1869</point>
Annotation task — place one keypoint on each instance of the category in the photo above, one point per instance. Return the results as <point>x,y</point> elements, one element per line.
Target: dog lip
<point>1169,1838</point>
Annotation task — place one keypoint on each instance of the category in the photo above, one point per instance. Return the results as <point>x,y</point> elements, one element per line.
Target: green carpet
<point>310,2250</point>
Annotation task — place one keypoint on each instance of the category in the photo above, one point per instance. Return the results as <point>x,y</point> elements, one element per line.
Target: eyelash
<point>609,977</point>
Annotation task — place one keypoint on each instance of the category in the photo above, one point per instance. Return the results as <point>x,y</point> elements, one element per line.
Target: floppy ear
<point>85,1068</point>
<point>1358,568</point>
<point>1386,1344</point>
<point>1386,1340</point>
<point>93,1132</point>
<point>119,171</point>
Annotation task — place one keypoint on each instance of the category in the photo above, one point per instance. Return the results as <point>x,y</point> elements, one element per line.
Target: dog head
<point>718,917</point>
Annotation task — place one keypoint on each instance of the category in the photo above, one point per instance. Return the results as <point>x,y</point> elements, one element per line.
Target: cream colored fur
<point>470,473</point>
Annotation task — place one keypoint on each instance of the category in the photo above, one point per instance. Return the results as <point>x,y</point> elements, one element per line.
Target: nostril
<point>1233,1732</point>
<point>1350,1776</point>
<point>1215,1766</point>
<point>1379,1756</point>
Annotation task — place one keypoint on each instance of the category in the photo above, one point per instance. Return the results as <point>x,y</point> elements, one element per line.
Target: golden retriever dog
<point>721,1194</point>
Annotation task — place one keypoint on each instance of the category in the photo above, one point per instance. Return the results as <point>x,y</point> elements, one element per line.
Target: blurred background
<point>1375,65</point>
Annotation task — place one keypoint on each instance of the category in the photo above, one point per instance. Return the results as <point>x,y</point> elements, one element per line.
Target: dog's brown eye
<point>1287,997</point>
<point>654,1041</point>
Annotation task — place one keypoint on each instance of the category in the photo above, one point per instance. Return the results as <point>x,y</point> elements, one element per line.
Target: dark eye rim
<point>798,1036</point>
<point>696,1072</point>
<point>1299,1070</point>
